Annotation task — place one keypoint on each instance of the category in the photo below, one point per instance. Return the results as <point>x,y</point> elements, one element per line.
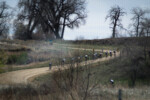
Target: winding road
<point>27,75</point>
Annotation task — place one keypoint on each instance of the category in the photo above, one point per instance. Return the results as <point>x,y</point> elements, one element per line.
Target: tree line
<point>140,23</point>
<point>49,16</point>
<point>53,16</point>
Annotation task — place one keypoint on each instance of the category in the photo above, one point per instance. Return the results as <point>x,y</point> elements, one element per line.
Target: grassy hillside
<point>130,71</point>
<point>118,69</point>
<point>25,54</point>
<point>112,41</point>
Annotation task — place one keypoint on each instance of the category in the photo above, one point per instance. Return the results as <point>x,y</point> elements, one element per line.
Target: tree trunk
<point>137,28</point>
<point>57,34</point>
<point>29,35</point>
<point>113,35</point>
<point>57,31</point>
<point>30,31</point>
<point>62,34</point>
<point>114,30</point>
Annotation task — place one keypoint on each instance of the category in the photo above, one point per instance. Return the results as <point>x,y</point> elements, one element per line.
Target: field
<point>24,68</point>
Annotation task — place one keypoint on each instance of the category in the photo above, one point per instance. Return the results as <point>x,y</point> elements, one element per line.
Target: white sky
<point>96,27</point>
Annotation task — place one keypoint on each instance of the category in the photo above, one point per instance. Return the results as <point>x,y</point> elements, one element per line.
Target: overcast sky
<point>96,27</point>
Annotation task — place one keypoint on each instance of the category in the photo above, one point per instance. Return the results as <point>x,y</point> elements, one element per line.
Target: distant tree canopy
<point>115,14</point>
<point>3,19</point>
<point>52,15</point>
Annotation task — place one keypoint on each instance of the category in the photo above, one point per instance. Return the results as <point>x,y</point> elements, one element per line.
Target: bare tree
<point>29,13</point>
<point>52,15</point>
<point>3,19</point>
<point>146,27</point>
<point>115,14</point>
<point>138,16</point>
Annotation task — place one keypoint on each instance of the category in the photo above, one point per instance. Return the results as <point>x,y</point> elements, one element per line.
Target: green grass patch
<point>18,59</point>
<point>3,60</point>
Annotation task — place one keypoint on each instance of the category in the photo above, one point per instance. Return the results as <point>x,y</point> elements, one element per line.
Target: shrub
<point>22,59</point>
<point>18,59</point>
<point>12,59</point>
<point>3,60</point>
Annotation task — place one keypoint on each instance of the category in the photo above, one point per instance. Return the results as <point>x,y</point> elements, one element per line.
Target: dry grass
<point>57,86</point>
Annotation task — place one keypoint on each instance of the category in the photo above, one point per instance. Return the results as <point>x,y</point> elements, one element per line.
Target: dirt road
<point>23,76</point>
